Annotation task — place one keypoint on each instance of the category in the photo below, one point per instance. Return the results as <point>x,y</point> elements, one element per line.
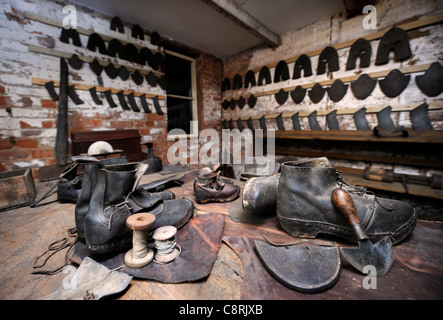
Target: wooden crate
<point>17,189</point>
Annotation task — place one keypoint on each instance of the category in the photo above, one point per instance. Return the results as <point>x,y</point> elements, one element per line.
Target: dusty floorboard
<point>25,233</point>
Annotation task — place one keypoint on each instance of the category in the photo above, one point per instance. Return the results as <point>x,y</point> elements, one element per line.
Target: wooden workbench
<point>417,272</point>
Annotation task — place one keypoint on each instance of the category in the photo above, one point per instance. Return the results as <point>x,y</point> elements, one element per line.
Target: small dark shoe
<point>208,187</point>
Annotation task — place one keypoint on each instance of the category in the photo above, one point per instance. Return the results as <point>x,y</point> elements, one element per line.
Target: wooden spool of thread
<point>167,248</point>
<point>140,255</point>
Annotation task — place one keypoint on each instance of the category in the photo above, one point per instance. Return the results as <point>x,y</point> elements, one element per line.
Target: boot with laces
<point>305,208</point>
<point>208,187</point>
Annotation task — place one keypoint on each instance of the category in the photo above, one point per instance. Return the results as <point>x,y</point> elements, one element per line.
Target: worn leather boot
<point>260,194</point>
<point>88,186</point>
<point>208,187</point>
<point>115,197</point>
<point>305,208</point>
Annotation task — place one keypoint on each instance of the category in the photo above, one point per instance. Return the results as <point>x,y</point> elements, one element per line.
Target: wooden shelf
<point>413,189</point>
<point>415,136</point>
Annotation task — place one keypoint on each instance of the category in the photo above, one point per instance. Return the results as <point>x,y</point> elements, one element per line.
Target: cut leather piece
<point>420,119</point>
<point>331,119</point>
<point>145,55</point>
<point>384,118</point>
<point>73,95</point>
<point>298,94</point>
<point>137,32</point>
<point>156,39</point>
<point>262,122</point>
<point>94,96</point>
<point>151,79</point>
<point>337,91</point>
<point>396,40</point>
<point>115,48</point>
<point>431,82</point>
<point>239,125</point>
<point>162,82</point>
<point>137,77</point>
<point>111,71</point>
<point>313,122</point>
<point>280,124</point>
<point>394,83</point>
<point>360,120</point>
<point>237,82</point>
<point>302,267</point>
<point>264,75</point>
<point>225,104</point>
<point>94,41</point>
<point>249,122</point>
<point>72,34</point>
<point>224,124</point>
<point>157,107</point>
<point>296,121</point>
<point>230,124</point>
<point>122,100</point>
<point>108,96</point>
<point>316,93</point>
<point>252,100</point>
<point>130,53</point>
<point>250,79</point>
<point>117,25</point>
<point>226,84</point>
<point>241,102</point>
<point>232,104</point>
<point>123,73</point>
<point>157,62</point>
<point>75,62</point>
<point>303,63</point>
<point>281,96</point>
<point>363,87</point>
<point>93,281</point>
<point>132,102</point>
<point>96,67</point>
<point>360,49</point>
<point>51,90</point>
<point>144,104</point>
<point>281,72</point>
<point>199,252</point>
<point>328,57</point>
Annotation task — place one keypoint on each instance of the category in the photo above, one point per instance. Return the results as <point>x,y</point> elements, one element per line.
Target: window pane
<point>178,75</point>
<point>179,114</point>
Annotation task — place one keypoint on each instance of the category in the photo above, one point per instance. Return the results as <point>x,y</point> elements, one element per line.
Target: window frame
<point>193,98</point>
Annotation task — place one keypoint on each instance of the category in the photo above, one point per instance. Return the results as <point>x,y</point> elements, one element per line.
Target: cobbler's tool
<point>379,255</point>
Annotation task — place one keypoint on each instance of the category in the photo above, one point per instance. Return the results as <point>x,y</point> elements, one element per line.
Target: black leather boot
<point>115,196</point>
<point>305,208</point>
<point>88,185</point>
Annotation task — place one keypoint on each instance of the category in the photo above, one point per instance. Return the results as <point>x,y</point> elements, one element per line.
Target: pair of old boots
<point>110,194</point>
<point>301,195</point>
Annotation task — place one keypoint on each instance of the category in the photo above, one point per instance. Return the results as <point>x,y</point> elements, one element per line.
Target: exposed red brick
<point>5,101</point>
<point>27,143</point>
<point>2,90</point>
<point>46,103</point>
<point>43,153</point>
<point>6,144</point>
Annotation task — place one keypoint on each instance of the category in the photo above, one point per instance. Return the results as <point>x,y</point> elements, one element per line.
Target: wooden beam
<point>81,86</point>
<point>232,10</point>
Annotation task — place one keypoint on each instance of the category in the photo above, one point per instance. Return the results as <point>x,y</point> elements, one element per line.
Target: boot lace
<point>359,190</point>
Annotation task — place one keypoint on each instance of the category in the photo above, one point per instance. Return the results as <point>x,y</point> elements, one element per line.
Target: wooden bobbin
<point>140,223</point>
<point>163,234</point>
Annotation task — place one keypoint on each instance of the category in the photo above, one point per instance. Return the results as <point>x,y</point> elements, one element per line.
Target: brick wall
<point>28,116</point>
